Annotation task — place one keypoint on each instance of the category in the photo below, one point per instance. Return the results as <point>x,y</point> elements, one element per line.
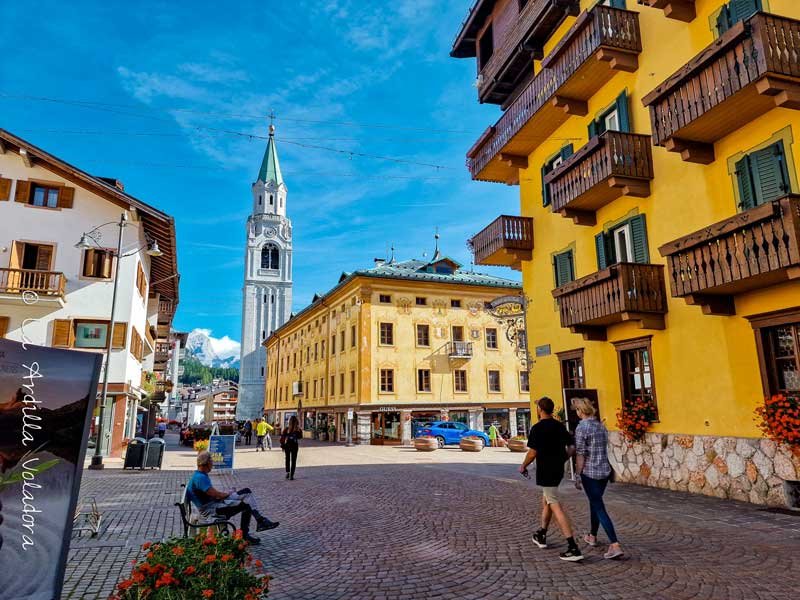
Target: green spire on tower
<point>270,167</point>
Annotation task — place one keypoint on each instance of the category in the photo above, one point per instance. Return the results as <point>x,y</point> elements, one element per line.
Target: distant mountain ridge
<point>214,352</point>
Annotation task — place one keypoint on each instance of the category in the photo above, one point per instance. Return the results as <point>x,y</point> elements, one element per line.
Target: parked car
<point>450,432</point>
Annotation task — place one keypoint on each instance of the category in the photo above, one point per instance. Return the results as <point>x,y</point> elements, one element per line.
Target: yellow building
<point>653,142</point>
<point>395,346</point>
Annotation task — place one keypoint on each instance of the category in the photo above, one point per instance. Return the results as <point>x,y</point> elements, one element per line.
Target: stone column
<point>363,427</point>
<point>512,421</point>
<point>405,427</point>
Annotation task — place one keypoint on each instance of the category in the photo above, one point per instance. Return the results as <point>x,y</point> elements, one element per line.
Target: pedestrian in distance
<point>550,445</point>
<point>261,431</point>
<point>594,473</point>
<point>494,433</point>
<point>248,432</point>
<point>290,443</point>
<point>267,435</point>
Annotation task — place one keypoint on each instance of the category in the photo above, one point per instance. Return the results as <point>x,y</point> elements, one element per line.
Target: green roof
<point>270,167</point>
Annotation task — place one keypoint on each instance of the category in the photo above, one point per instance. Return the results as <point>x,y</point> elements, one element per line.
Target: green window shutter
<point>545,188</point>
<point>564,269</point>
<point>768,170</point>
<point>747,195</point>
<point>566,152</point>
<point>639,239</point>
<point>618,4</point>
<point>723,20</point>
<point>600,245</point>
<point>593,130</point>
<point>623,112</point>
<point>739,10</point>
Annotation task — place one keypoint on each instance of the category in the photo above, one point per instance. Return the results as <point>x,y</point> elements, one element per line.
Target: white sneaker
<point>613,553</point>
<point>590,540</point>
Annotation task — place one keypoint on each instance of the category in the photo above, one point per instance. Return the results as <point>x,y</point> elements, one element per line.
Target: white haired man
<point>211,502</point>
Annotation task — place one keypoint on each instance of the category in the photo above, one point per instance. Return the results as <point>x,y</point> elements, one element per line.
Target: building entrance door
<point>386,428</point>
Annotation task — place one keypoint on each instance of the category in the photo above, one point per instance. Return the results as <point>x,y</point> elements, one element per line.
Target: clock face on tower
<point>270,232</point>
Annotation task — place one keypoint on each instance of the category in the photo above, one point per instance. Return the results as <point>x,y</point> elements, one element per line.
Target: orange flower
<point>208,593</point>
<point>226,557</point>
<point>210,558</point>
<point>258,563</point>
<point>189,570</point>
<point>178,551</point>
<point>124,585</point>
<point>146,545</point>
<point>237,535</point>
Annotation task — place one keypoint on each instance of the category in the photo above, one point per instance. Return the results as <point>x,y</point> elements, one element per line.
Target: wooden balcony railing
<point>161,356</point>
<point>611,165</point>
<point>601,42</point>
<point>524,41</point>
<point>682,10</point>
<point>752,68</point>
<point>459,349</point>
<point>754,249</point>
<point>621,292</point>
<point>43,283</point>
<point>505,243</point>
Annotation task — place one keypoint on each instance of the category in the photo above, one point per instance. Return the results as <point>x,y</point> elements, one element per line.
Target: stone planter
<point>470,445</point>
<point>426,444</point>
<point>518,445</point>
<point>791,490</point>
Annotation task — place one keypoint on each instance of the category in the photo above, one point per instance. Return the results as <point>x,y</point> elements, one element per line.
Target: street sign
<point>349,414</point>
<point>222,449</point>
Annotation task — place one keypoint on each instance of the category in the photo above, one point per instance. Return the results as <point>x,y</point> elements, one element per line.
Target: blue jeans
<point>595,488</point>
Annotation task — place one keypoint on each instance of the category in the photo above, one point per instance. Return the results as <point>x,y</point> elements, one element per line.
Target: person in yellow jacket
<point>263,430</point>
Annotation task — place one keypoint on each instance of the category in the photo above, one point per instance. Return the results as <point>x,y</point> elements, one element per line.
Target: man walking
<point>550,445</point>
<point>262,429</point>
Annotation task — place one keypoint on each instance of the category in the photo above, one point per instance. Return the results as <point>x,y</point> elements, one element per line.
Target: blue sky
<point>158,92</point>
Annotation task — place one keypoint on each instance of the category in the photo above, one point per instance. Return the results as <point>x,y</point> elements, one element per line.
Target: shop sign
<point>47,398</point>
<point>387,409</point>
<point>349,414</point>
<point>222,449</point>
<point>543,350</point>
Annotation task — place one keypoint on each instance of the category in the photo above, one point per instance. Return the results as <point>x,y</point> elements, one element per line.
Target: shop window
<point>494,381</point>
<point>457,333</point>
<point>524,381</point>
<point>423,380</point>
<point>387,381</point>
<point>491,338</point>
<point>636,371</point>
<point>572,370</point>
<point>762,176</point>
<point>387,334</point>
<point>563,268</point>
<point>550,166</point>
<point>614,118</point>
<point>460,380</point>
<point>735,11</point>
<point>423,335</point>
<point>624,242</point>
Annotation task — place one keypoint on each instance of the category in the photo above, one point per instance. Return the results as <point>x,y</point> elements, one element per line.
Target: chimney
<point>379,262</point>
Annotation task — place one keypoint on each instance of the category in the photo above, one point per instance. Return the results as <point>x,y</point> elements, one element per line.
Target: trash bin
<point>154,453</point>
<point>134,455</point>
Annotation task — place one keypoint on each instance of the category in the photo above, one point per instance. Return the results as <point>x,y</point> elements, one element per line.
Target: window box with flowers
<point>635,417</point>
<point>779,419</point>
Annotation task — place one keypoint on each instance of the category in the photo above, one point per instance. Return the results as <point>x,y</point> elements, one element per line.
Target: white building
<point>53,293</point>
<point>267,290</point>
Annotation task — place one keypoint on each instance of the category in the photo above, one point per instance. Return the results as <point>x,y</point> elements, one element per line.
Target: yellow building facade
<point>654,146</point>
<point>393,347</point>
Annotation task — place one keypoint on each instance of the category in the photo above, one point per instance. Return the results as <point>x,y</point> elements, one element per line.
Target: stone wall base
<point>748,469</point>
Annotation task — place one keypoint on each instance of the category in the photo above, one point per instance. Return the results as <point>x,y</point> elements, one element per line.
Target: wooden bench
<point>193,526</point>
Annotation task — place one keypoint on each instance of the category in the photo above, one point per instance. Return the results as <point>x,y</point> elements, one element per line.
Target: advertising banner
<point>221,448</point>
<point>47,397</point>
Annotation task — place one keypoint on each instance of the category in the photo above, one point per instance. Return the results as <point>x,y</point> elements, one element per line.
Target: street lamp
<point>90,240</point>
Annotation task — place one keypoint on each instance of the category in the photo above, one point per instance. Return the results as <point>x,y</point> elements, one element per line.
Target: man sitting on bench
<point>210,502</point>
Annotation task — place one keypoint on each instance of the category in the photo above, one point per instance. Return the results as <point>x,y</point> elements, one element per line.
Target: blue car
<point>450,432</point>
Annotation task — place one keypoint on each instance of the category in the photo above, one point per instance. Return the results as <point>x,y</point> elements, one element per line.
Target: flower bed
<point>635,418</point>
<point>205,566</point>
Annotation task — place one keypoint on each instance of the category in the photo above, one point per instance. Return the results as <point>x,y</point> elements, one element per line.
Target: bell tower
<point>267,289</point>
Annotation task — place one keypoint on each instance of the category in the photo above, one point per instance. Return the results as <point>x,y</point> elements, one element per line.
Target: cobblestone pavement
<point>386,523</point>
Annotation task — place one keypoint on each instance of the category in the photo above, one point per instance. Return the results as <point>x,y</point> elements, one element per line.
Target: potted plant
<point>519,443</point>
<point>779,419</point>
<point>471,443</point>
<point>426,443</point>
<point>205,566</point>
<point>201,445</point>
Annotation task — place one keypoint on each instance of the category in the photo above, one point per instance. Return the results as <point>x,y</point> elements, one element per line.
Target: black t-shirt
<point>550,440</point>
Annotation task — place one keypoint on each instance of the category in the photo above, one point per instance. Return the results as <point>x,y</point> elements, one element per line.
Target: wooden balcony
<point>166,310</point>
<point>681,10</point>
<point>751,69</point>
<point>161,356</point>
<point>611,165</point>
<point>600,43</point>
<point>42,283</point>
<point>459,349</point>
<point>754,249</point>
<point>622,292</point>
<point>505,243</point>
<point>524,42</point>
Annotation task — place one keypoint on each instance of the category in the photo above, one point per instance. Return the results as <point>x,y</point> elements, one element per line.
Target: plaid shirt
<point>591,442</point>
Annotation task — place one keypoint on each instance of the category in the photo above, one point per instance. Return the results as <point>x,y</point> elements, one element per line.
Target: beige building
<point>398,345</point>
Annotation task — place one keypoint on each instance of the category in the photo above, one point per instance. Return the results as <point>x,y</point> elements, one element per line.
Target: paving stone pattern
<point>459,529</point>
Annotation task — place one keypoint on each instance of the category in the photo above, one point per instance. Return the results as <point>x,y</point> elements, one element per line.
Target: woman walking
<point>594,469</point>
<point>290,442</point>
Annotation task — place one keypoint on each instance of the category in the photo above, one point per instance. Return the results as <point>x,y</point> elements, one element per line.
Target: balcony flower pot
<point>426,444</point>
<point>791,490</point>
<point>470,444</point>
<point>518,445</point>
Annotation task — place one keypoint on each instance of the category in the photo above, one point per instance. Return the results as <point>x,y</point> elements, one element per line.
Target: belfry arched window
<point>270,257</point>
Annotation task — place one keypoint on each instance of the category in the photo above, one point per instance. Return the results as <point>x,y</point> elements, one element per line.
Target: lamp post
<point>85,244</point>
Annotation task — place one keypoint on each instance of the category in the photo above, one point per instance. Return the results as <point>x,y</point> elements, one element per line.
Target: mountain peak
<point>213,352</point>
